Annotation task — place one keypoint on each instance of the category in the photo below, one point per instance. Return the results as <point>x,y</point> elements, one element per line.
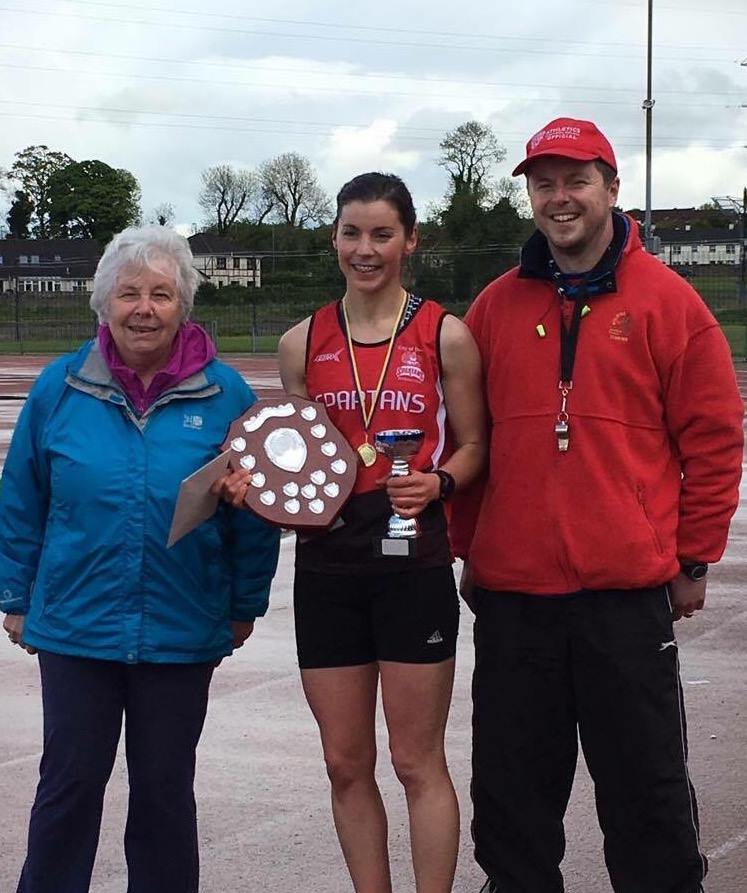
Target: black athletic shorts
<point>344,620</point>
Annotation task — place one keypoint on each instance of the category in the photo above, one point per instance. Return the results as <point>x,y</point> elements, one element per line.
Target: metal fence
<point>252,320</point>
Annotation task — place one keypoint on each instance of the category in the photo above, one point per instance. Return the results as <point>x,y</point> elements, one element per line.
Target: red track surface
<point>17,374</point>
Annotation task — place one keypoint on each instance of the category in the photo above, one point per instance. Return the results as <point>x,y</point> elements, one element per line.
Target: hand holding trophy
<point>399,445</point>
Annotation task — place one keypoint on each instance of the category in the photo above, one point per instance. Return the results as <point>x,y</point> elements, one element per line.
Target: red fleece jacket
<point>653,469</point>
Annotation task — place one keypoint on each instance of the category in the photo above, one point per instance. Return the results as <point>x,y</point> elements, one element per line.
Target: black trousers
<point>602,666</point>
<point>84,700</point>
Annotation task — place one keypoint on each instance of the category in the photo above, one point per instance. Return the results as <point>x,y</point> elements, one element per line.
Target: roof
<point>698,236</point>
<point>206,243</point>
<point>70,258</point>
<point>679,217</point>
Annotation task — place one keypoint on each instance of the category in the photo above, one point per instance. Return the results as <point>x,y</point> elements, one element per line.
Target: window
<point>1,260</point>
<point>57,258</point>
<point>220,283</point>
<point>23,259</point>
<point>34,258</point>
<point>220,263</point>
<point>237,263</point>
<point>27,285</point>
<point>730,249</point>
<point>676,249</point>
<point>712,249</point>
<point>79,285</point>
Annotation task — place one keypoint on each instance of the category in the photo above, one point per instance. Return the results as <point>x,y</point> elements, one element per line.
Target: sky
<point>167,90</point>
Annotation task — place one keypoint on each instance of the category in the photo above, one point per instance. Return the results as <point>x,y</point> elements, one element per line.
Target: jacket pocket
<point>641,497</point>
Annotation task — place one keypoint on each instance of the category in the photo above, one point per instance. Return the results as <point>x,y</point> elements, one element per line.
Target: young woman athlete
<point>381,358</point>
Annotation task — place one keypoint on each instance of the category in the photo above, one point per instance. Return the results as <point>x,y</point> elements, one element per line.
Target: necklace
<point>366,450</point>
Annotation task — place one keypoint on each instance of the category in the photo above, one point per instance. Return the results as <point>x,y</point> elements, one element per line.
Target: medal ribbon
<point>368,414</point>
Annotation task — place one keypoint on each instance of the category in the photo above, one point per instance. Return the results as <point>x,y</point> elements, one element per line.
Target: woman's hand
<point>232,487</point>
<point>411,493</point>
<point>13,626</point>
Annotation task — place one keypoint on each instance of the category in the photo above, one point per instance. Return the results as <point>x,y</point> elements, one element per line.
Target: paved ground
<point>17,374</point>
<point>264,814</point>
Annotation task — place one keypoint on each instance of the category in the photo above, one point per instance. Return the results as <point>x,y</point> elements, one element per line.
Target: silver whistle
<point>563,435</point>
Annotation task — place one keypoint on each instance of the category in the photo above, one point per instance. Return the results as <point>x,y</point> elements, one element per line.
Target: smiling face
<point>572,206</point>
<point>371,241</point>
<point>144,314</point>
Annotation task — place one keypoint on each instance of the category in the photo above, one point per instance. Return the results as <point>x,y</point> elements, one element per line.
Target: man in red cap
<point>616,452</point>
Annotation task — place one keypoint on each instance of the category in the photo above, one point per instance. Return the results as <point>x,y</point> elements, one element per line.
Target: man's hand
<point>232,487</point>
<point>467,586</point>
<point>687,596</point>
<point>411,493</point>
<point>242,629</point>
<point>13,626</point>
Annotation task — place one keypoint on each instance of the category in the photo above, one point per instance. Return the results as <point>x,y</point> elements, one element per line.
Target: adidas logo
<point>435,638</point>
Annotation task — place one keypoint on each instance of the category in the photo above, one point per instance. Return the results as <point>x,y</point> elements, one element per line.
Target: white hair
<point>141,246</point>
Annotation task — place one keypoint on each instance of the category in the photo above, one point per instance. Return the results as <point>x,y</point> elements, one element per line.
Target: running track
<point>17,374</point>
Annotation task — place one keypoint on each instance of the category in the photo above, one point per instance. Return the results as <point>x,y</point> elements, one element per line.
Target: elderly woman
<point>122,625</point>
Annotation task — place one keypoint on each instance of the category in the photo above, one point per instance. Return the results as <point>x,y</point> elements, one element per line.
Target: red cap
<point>569,138</point>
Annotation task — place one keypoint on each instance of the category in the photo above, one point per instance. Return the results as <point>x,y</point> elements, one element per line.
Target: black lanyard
<point>569,336</point>
<point>568,345</point>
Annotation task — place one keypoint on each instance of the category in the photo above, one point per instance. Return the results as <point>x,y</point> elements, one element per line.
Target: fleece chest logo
<point>621,327</point>
<point>192,420</point>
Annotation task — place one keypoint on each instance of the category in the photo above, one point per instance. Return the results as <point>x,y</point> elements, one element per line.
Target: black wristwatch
<point>448,484</point>
<point>695,570</point>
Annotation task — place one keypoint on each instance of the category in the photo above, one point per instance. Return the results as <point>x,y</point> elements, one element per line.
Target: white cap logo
<point>537,139</point>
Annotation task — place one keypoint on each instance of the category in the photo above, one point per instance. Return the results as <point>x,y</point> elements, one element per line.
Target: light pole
<point>648,107</point>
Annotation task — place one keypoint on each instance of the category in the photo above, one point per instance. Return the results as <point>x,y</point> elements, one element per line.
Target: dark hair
<point>607,171</point>
<point>375,186</point>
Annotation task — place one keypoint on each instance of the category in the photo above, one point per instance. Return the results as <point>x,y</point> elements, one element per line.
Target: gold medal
<point>367,453</point>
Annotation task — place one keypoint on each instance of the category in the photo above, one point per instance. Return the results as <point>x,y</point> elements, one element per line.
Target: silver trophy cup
<point>400,445</point>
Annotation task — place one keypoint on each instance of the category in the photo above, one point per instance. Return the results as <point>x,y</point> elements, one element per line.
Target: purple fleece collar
<point>191,351</point>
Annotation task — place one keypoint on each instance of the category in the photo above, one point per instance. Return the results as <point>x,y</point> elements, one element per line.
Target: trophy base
<point>389,547</point>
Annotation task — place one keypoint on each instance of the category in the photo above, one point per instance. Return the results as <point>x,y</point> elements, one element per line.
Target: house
<point>699,247</point>
<point>694,236</point>
<point>48,265</point>
<point>223,262</point>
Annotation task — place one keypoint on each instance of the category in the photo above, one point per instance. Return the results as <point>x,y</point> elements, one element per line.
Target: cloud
<point>175,92</point>
<point>684,178</point>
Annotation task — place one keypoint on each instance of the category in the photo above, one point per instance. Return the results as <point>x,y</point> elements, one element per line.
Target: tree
<point>290,186</point>
<point>468,154</point>
<point>19,216</point>
<point>33,169</point>
<point>163,214</point>
<point>91,200</point>
<point>515,194</point>
<point>226,192</point>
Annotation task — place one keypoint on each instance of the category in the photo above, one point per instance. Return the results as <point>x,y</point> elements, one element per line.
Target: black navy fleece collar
<point>537,262</point>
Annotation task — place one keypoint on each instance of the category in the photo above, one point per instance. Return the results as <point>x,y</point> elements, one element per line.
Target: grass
<point>736,335</point>
<point>245,344</point>
<point>226,344</point>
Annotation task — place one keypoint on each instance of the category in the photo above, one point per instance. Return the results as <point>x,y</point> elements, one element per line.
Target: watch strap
<point>448,484</point>
<point>694,570</point>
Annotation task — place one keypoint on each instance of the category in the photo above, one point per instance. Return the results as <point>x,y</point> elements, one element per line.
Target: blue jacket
<point>88,495</point>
